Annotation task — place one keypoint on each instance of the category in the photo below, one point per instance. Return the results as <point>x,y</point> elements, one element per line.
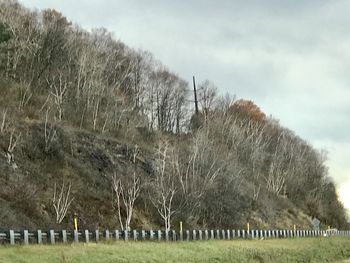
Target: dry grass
<point>292,250</point>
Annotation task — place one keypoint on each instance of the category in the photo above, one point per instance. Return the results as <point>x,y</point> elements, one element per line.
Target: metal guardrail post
<point>76,236</point>
<point>39,237</point>
<point>12,237</point>
<point>52,237</point>
<point>26,237</point>
<point>212,234</point>
<point>159,235</point>
<point>126,235</point>
<point>194,235</point>
<point>134,235</point>
<point>87,236</point>
<point>97,236</point>
<point>223,234</point>
<point>64,236</point>
<point>217,234</point>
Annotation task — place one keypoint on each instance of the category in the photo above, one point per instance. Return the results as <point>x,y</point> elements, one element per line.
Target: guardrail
<point>26,237</point>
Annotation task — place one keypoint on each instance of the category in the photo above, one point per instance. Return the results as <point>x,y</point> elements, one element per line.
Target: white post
<point>97,235</point>
<point>12,237</point>
<point>126,235</point>
<point>87,236</point>
<point>76,236</point>
<point>26,237</point>
<point>159,235</point>
<point>194,235</point>
<point>64,236</point>
<point>39,236</point>
<point>211,234</point>
<point>52,237</point>
<point>223,234</point>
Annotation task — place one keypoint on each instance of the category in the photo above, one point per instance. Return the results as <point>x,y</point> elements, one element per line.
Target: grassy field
<point>292,250</point>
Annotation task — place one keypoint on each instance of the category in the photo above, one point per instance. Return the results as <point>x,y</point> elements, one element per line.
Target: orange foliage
<point>248,109</point>
<point>51,15</point>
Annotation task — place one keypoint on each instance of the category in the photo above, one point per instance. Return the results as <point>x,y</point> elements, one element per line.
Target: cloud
<point>343,192</point>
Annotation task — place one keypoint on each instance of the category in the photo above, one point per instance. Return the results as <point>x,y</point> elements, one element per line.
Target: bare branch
<point>62,201</point>
<point>3,126</point>
<point>127,190</point>
<point>50,133</point>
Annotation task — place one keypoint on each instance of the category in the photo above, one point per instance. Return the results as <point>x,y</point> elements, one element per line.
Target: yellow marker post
<point>329,227</point>
<point>295,227</point>
<point>75,223</point>
<point>180,226</point>
<point>248,227</point>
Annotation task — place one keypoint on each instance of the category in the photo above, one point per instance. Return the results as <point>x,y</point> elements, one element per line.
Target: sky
<point>290,57</point>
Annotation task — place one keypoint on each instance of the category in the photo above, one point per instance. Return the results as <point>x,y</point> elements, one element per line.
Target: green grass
<point>292,250</point>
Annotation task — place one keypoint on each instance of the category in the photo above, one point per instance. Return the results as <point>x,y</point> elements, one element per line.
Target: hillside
<point>108,133</point>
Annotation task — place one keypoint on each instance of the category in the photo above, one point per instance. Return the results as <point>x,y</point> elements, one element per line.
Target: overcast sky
<point>291,57</point>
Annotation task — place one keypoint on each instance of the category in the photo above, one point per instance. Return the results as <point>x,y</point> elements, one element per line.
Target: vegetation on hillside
<point>87,121</point>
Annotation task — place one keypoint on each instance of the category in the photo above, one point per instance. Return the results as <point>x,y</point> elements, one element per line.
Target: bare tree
<point>134,153</point>
<point>50,133</point>
<point>14,139</point>
<point>207,92</point>
<point>165,103</point>
<point>23,28</point>
<point>256,192</point>
<point>61,201</point>
<point>3,125</point>
<point>281,165</point>
<point>165,184</point>
<point>127,190</point>
<point>199,172</point>
<point>58,91</point>
<point>25,96</point>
